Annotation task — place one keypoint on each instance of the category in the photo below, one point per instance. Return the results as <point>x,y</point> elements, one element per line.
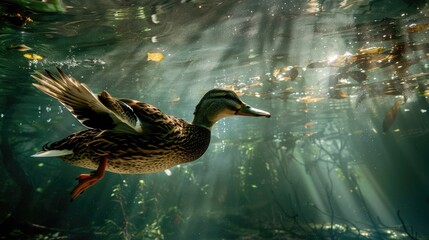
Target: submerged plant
<point>139,214</point>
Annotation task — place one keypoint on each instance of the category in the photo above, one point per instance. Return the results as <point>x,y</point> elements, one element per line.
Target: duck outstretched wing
<point>94,111</point>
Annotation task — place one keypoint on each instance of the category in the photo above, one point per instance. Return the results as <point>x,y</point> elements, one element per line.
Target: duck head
<point>219,103</point>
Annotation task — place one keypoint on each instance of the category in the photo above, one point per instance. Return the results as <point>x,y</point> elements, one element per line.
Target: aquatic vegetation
<point>133,222</point>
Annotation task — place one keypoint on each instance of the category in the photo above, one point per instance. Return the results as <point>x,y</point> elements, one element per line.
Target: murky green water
<point>344,155</point>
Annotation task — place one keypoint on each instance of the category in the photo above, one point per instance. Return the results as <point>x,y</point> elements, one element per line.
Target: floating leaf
<point>33,56</point>
<point>417,28</point>
<point>156,57</point>
<point>391,115</point>
<point>20,47</point>
<point>320,64</point>
<point>286,73</point>
<point>175,100</point>
<point>309,99</point>
<point>338,94</point>
<point>310,124</point>
<point>371,50</point>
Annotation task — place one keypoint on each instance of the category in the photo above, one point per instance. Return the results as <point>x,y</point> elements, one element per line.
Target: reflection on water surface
<point>343,156</point>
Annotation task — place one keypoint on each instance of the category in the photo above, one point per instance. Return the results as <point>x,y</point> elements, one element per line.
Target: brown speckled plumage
<point>129,154</point>
<point>128,136</point>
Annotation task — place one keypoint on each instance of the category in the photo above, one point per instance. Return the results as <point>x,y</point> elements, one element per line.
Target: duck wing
<point>93,111</point>
<point>154,121</point>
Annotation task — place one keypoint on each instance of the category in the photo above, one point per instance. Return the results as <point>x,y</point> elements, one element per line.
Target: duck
<point>127,136</point>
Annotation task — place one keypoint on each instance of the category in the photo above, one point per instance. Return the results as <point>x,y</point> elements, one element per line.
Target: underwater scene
<point>317,127</point>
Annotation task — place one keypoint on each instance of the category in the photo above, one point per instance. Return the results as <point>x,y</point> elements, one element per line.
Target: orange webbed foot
<point>88,180</point>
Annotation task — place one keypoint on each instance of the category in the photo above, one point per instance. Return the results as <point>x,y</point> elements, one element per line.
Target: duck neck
<point>202,121</point>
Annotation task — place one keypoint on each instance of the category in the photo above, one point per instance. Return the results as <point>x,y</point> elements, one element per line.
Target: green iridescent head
<point>219,103</point>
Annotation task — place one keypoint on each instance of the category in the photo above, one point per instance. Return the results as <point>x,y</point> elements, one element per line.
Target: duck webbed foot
<point>88,180</point>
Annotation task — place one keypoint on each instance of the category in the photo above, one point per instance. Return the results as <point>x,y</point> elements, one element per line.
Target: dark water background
<point>320,168</point>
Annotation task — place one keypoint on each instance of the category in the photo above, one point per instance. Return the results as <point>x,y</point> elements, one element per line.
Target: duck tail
<point>47,151</point>
<point>53,153</point>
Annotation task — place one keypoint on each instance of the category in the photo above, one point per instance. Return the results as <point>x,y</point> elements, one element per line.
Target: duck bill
<point>247,110</point>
